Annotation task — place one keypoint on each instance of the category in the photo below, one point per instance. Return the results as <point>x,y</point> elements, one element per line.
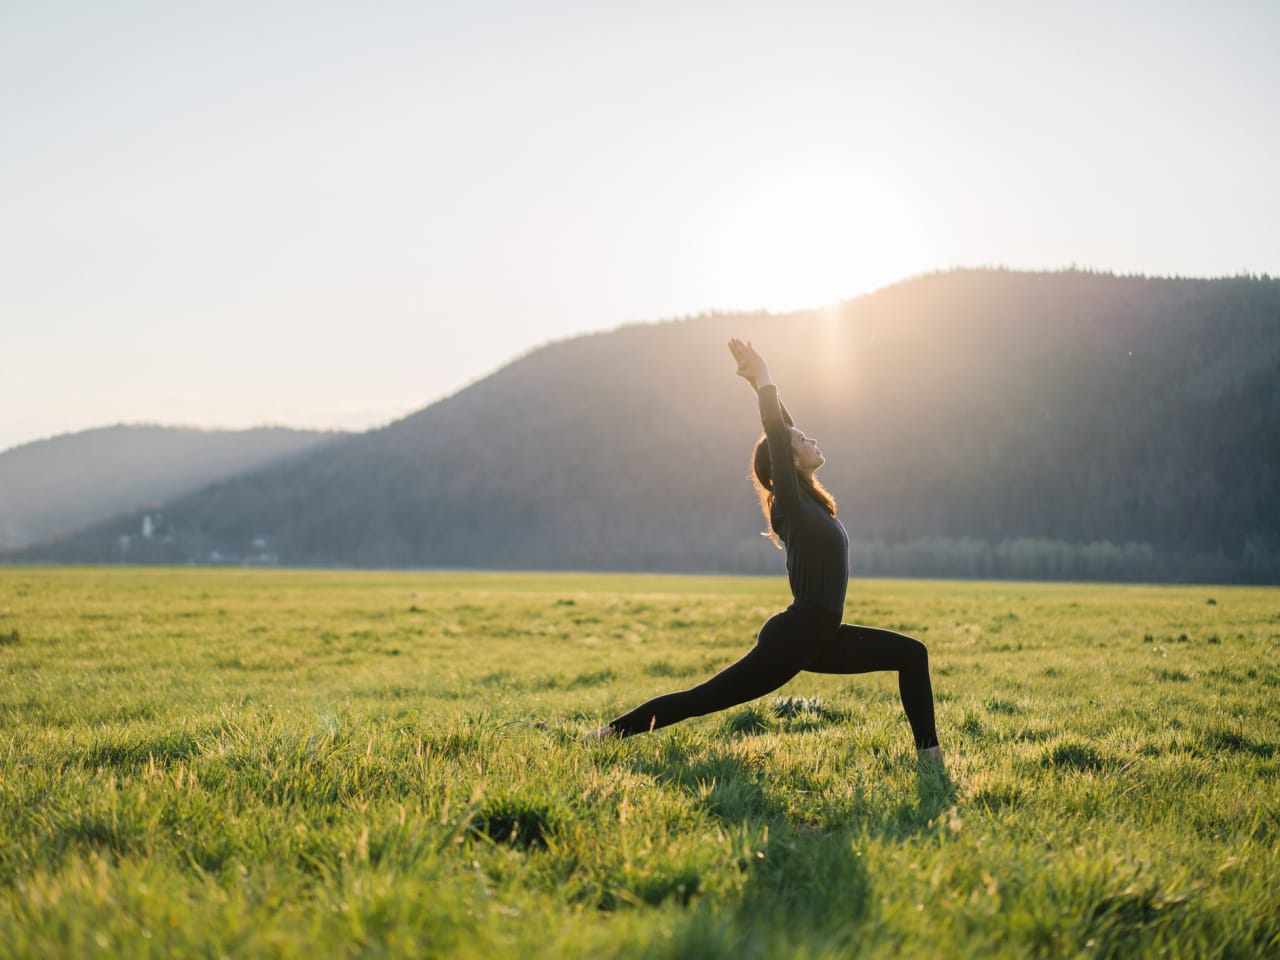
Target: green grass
<point>315,764</point>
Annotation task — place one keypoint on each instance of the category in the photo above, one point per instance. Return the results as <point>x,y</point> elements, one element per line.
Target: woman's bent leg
<point>771,663</point>
<point>854,649</point>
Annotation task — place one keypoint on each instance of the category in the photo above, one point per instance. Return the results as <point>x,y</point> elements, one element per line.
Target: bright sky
<point>323,214</point>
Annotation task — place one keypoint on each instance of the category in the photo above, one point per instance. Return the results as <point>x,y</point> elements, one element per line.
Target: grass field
<point>315,764</point>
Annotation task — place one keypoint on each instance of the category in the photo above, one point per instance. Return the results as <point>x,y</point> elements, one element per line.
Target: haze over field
<point>50,488</point>
<point>233,215</point>
<point>977,423</point>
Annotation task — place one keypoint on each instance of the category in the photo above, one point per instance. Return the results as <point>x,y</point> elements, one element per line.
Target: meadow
<point>254,763</point>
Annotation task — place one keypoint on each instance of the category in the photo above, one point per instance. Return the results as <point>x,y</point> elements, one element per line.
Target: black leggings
<point>801,638</point>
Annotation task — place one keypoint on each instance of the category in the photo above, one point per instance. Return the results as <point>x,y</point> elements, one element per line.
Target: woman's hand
<point>751,366</point>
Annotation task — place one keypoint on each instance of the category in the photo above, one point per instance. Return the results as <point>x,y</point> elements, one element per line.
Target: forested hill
<point>56,486</point>
<point>979,423</point>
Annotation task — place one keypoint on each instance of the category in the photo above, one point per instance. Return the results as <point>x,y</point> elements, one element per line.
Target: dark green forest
<point>977,423</point>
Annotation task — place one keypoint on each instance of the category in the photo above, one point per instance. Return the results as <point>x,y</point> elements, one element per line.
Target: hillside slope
<point>53,487</point>
<point>975,423</point>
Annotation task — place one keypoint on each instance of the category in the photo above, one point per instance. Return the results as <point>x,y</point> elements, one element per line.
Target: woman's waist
<point>815,610</point>
<point>821,585</point>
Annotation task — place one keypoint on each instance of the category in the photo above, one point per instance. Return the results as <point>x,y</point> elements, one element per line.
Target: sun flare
<point>806,239</point>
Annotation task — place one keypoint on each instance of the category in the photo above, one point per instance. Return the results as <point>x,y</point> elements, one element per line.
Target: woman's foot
<point>932,755</point>
<point>604,733</point>
<point>931,767</point>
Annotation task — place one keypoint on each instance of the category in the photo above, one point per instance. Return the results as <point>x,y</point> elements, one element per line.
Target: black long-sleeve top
<point>816,542</point>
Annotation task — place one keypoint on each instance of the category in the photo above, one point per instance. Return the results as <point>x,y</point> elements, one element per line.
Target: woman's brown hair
<point>762,477</point>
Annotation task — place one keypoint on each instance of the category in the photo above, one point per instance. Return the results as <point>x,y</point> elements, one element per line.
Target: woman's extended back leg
<point>774,660</point>
<point>753,676</point>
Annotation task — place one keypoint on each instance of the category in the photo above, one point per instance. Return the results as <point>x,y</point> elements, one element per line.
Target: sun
<point>805,238</point>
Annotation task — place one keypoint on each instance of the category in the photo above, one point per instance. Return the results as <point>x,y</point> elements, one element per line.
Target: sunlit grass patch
<point>274,763</point>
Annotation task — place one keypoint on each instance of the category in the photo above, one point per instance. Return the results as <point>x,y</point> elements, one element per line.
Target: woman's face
<point>805,449</point>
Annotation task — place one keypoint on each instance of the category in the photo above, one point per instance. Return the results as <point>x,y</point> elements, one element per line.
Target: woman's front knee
<point>917,653</point>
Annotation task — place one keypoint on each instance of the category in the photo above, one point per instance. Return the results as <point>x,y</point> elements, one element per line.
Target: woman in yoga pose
<point>808,635</point>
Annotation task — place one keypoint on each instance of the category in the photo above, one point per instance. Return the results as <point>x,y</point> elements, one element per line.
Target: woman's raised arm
<point>776,420</point>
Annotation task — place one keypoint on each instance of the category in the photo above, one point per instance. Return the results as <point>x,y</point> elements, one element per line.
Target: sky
<point>330,214</point>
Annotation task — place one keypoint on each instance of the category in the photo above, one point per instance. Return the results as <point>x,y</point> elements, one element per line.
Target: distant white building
<point>148,526</point>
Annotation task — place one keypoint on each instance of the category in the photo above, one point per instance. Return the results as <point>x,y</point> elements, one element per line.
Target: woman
<point>808,635</point>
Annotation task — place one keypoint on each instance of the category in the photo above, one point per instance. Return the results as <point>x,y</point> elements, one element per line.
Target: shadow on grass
<point>800,881</point>
<point>735,792</point>
<point>815,882</point>
<point>800,876</point>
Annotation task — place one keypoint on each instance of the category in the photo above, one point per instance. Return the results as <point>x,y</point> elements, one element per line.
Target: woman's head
<point>805,451</point>
<point>807,458</point>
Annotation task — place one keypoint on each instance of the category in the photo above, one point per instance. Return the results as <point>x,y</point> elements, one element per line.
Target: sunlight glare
<point>808,239</point>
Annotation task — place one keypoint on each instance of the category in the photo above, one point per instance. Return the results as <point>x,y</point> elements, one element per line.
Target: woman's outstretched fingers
<point>746,362</point>
<point>751,365</point>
